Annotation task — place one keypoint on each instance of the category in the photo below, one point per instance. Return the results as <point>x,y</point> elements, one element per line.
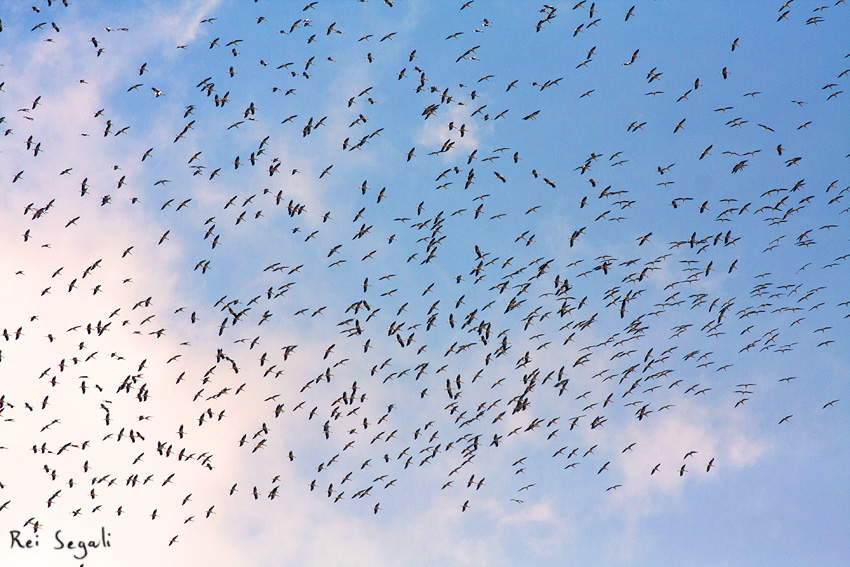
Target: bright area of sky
<point>419,283</point>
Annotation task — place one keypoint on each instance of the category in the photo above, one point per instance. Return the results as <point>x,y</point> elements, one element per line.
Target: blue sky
<point>503,282</point>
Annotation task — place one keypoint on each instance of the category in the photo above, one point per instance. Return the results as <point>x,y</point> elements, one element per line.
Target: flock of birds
<point>440,324</point>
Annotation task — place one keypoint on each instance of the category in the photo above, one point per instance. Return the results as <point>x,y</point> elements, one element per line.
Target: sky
<point>414,283</point>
